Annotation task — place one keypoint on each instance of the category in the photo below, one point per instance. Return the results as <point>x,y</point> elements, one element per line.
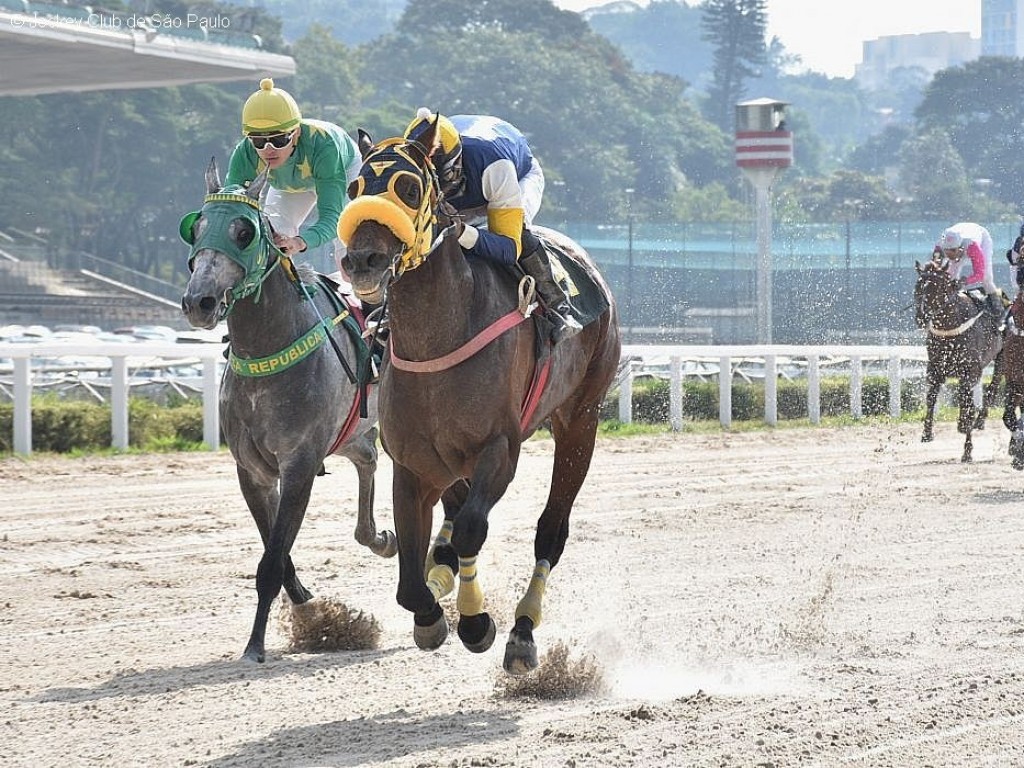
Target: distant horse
<point>467,381</point>
<point>963,339</point>
<point>1013,367</point>
<point>290,394</point>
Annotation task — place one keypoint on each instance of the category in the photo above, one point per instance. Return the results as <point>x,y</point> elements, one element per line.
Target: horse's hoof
<point>390,546</point>
<point>979,426</point>
<point>432,636</point>
<point>520,657</point>
<point>255,655</point>
<point>477,633</point>
<point>966,459</point>
<point>927,438</point>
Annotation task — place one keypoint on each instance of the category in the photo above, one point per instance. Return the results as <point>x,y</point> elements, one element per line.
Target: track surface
<point>806,597</point>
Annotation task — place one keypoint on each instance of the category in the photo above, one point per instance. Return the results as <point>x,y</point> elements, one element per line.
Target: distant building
<point>930,51</point>
<point>1002,27</point>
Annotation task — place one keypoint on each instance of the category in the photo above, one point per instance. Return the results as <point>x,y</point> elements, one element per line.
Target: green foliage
<point>663,37</point>
<point>709,203</point>
<point>845,195</point>
<point>700,400</point>
<point>979,106</point>
<point>327,85</point>
<point>591,118</point>
<point>66,426</point>
<point>935,176</point>
<point>879,151</point>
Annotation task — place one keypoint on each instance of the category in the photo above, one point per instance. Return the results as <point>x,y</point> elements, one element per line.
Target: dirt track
<point>810,597</point>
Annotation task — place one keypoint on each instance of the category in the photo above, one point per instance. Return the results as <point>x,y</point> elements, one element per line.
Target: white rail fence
<point>124,359</point>
<point>22,363</point>
<point>768,363</point>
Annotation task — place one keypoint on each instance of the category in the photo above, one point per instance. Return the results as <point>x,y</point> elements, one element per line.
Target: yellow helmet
<point>269,110</point>
<point>450,150</point>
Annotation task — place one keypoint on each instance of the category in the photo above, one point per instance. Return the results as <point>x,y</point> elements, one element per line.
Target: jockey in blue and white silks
<point>489,175</point>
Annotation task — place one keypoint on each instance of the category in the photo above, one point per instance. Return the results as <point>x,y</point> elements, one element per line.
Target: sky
<point>828,34</point>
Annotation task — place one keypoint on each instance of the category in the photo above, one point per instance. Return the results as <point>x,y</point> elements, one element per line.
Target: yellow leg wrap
<point>529,606</point>
<point>440,581</point>
<point>471,597</point>
<point>443,538</point>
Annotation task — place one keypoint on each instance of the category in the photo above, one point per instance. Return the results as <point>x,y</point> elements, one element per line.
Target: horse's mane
<point>306,272</point>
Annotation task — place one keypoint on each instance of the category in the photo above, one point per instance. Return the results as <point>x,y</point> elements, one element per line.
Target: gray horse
<point>291,393</point>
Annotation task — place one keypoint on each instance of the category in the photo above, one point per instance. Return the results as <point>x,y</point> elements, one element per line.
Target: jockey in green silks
<point>311,164</point>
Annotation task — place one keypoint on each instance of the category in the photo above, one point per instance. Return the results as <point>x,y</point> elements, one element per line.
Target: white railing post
<point>22,405</point>
<point>626,395</point>
<point>895,387</point>
<point>813,390</point>
<point>725,391</point>
<point>856,387</point>
<point>119,402</point>
<point>771,390</point>
<point>211,404</point>
<point>675,399</point>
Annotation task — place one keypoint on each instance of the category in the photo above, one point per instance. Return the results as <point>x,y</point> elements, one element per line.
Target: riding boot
<point>537,266</point>
<point>994,305</point>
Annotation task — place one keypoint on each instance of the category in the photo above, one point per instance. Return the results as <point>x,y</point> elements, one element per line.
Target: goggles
<point>277,140</point>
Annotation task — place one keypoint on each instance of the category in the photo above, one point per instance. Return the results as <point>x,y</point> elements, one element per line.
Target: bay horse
<point>962,340</point>
<point>290,394</point>
<point>1013,367</point>
<point>467,380</point>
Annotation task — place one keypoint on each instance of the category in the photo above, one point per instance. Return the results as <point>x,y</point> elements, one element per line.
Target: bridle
<point>258,259</point>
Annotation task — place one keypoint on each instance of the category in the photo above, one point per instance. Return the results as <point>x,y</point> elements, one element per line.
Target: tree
<point>327,85</point>
<point>880,152</point>
<point>736,30</point>
<point>845,195</point>
<point>979,107</point>
<point>934,175</point>
<point>592,119</point>
<point>663,37</point>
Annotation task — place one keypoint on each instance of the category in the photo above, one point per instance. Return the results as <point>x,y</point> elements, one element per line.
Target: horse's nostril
<point>208,304</point>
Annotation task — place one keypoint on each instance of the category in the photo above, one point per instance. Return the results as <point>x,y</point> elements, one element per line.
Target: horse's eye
<point>241,231</point>
<point>409,190</point>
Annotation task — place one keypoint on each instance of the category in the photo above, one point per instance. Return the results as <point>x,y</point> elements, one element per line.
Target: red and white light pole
<point>764,147</point>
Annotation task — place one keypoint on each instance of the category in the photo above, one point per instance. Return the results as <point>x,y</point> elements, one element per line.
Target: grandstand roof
<point>66,49</point>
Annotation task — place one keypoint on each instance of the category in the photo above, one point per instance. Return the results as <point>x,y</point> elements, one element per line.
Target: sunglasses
<point>277,141</point>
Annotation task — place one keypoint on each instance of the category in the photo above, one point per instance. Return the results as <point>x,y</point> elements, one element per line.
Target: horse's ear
<point>429,138</point>
<point>365,142</point>
<point>255,188</point>
<point>212,177</point>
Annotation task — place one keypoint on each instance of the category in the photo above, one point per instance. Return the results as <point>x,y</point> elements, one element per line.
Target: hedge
<point>700,399</point>
<point>63,426</point>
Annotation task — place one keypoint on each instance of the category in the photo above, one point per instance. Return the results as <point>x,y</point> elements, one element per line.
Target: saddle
<point>586,300</point>
<point>586,297</point>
